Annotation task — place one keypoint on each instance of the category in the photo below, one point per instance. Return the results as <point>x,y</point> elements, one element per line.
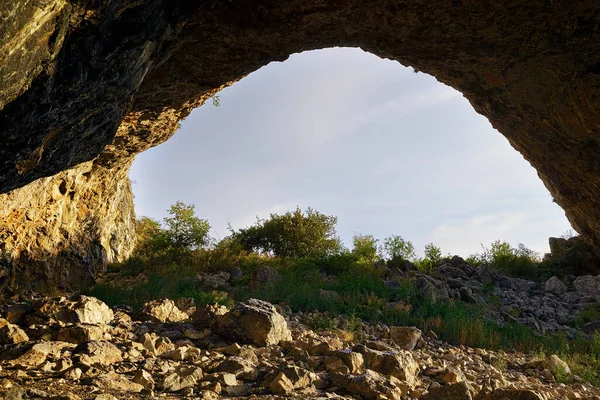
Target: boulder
<point>39,352</point>
<point>431,288</point>
<point>255,322</point>
<point>555,286</point>
<point>555,365</point>
<point>186,304</point>
<point>11,334</point>
<point>80,333</point>
<point>183,377</point>
<point>281,385</point>
<point>406,337</point>
<point>99,353</point>
<point>84,310</point>
<point>397,364</point>
<point>354,361</point>
<point>370,385</point>
<point>587,285</point>
<point>90,310</point>
<point>215,281</point>
<point>163,310</point>
<point>155,345</point>
<point>118,382</point>
<point>454,391</point>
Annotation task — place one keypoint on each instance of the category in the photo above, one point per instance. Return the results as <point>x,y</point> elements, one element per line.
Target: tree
<point>185,231</point>
<point>292,235</point>
<point>365,247</point>
<point>433,253</point>
<point>149,236</point>
<point>396,247</point>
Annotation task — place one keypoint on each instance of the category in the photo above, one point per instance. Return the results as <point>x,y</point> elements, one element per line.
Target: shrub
<point>433,256</point>
<point>518,262</point>
<point>365,248</point>
<point>396,247</point>
<point>185,231</point>
<point>292,235</point>
<point>182,232</point>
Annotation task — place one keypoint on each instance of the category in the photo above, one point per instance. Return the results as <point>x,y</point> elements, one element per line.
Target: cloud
<point>460,236</point>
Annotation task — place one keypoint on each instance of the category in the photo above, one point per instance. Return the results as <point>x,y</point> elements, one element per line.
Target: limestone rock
<point>117,382</point>
<point>186,304</point>
<point>454,391</point>
<point>162,311</point>
<point>156,345</point>
<point>143,377</point>
<point>398,364</point>
<point>555,286</point>
<point>99,352</point>
<point>555,365</point>
<point>90,310</point>
<point>11,334</point>
<point>406,337</point>
<point>85,310</point>
<point>352,360</point>
<point>370,385</point>
<point>256,322</point>
<point>216,281</point>
<point>587,285</point>
<point>80,333</point>
<point>281,384</point>
<point>39,352</point>
<point>183,377</point>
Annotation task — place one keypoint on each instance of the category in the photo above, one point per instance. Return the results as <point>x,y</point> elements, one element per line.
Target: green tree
<point>185,231</point>
<point>395,247</point>
<point>433,256</point>
<point>514,261</point>
<point>433,253</point>
<point>365,247</point>
<point>292,235</point>
<point>149,236</point>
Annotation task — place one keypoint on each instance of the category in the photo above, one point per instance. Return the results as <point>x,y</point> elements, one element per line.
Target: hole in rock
<point>62,188</point>
<point>387,150</point>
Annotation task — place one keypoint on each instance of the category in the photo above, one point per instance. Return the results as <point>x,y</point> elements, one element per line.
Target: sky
<point>386,150</point>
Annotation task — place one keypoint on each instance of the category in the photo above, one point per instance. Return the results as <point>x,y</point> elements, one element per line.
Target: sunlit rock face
<point>98,82</point>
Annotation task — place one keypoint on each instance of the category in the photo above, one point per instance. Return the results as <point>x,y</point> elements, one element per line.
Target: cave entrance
<point>387,150</point>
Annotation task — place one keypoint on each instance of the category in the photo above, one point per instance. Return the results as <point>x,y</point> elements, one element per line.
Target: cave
<point>88,85</point>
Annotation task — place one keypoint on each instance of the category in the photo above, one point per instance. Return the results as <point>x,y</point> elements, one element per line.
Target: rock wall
<point>57,233</point>
<point>100,81</point>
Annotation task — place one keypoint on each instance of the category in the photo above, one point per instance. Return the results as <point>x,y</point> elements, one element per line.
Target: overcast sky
<point>388,151</point>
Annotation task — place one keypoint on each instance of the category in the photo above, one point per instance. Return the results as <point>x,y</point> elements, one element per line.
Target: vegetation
<point>302,247</point>
<point>395,247</point>
<point>365,248</point>
<point>291,235</point>
<point>182,232</point>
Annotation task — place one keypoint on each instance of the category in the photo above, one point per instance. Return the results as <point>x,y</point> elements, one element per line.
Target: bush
<point>365,248</point>
<point>396,247</point>
<point>433,256</point>
<point>519,261</point>
<point>182,232</point>
<point>292,235</point>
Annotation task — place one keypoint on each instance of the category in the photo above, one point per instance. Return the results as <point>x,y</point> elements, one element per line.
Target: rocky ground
<point>81,349</point>
<point>546,307</point>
